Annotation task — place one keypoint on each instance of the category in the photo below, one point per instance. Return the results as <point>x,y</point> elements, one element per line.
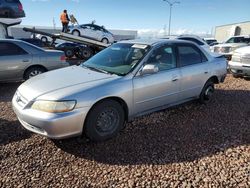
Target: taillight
<point>20,7</point>
<point>63,58</point>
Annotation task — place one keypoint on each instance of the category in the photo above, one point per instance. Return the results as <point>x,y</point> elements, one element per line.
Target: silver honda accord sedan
<point>20,60</point>
<point>125,80</point>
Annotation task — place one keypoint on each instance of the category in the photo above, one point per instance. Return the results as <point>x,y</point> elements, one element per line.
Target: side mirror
<point>149,69</point>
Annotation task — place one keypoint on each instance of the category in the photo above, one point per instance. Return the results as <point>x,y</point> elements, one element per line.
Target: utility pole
<point>170,14</point>
<point>54,23</point>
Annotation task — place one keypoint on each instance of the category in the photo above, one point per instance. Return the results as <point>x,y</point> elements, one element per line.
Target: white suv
<point>231,44</point>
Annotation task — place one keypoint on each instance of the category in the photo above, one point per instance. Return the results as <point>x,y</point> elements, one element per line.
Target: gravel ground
<point>191,145</point>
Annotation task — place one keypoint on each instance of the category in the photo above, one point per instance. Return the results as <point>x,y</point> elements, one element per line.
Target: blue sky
<point>197,16</point>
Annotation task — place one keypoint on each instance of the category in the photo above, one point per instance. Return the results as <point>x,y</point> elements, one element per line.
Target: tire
<point>76,33</point>
<point>206,92</point>
<point>236,76</point>
<point>7,14</point>
<point>85,53</point>
<point>44,39</point>
<point>69,53</point>
<point>104,121</point>
<point>105,41</point>
<point>33,71</point>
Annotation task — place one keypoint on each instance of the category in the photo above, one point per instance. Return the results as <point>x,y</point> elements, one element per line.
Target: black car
<point>11,9</point>
<point>74,49</point>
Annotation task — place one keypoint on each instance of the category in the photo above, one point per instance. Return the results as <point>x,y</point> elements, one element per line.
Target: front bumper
<point>51,125</point>
<point>239,69</point>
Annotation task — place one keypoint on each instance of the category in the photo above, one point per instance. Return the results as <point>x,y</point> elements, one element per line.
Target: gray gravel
<point>191,145</point>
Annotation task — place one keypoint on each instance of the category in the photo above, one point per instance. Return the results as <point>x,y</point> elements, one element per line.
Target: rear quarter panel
<point>51,60</point>
<point>218,67</point>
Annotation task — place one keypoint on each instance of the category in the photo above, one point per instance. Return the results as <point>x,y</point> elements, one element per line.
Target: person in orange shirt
<point>65,21</point>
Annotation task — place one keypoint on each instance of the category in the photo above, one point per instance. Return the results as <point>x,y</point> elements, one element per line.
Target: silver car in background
<point>20,60</point>
<point>124,81</point>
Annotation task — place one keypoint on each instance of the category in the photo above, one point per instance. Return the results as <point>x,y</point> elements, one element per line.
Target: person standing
<point>65,21</point>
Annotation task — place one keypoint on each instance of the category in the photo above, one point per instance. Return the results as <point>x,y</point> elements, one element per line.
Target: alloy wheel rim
<point>209,91</point>
<point>34,73</point>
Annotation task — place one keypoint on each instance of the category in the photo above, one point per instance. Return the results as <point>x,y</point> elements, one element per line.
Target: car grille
<point>236,58</point>
<point>245,60</point>
<point>222,49</point>
<point>20,100</point>
<point>241,59</point>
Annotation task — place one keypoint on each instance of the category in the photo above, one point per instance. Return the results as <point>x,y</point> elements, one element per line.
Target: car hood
<point>244,51</point>
<point>74,76</point>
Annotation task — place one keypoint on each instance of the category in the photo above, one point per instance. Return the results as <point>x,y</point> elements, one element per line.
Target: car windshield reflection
<point>119,59</point>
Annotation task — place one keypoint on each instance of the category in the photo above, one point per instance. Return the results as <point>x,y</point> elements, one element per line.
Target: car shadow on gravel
<point>181,134</point>
<point>12,131</point>
<point>7,90</point>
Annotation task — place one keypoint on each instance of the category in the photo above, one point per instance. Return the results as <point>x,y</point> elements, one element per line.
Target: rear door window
<point>190,55</point>
<point>10,49</point>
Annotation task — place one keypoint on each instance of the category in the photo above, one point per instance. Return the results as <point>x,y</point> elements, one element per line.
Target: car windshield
<point>118,59</point>
<point>238,40</point>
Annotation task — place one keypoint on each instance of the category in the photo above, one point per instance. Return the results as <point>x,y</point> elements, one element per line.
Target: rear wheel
<point>76,33</point>
<point>104,121</point>
<point>235,76</point>
<point>85,53</point>
<point>105,41</point>
<point>33,71</point>
<point>7,14</point>
<point>69,53</point>
<point>44,39</point>
<point>207,92</point>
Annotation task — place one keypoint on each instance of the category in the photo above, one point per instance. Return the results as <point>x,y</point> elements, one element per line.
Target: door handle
<point>25,60</point>
<point>175,78</point>
<point>205,72</point>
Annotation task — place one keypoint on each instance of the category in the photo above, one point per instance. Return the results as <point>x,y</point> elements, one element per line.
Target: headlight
<point>54,106</point>
<point>231,49</point>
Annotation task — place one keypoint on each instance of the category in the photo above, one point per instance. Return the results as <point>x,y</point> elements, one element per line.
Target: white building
<point>223,32</point>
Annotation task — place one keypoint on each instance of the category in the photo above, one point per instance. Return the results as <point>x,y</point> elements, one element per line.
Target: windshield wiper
<point>97,69</point>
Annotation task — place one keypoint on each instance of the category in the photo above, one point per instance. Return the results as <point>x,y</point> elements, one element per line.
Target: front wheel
<point>207,92</point>
<point>104,121</point>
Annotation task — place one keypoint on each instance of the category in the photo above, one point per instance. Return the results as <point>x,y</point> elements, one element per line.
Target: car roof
<point>153,42</point>
<point>10,40</point>
<point>245,36</point>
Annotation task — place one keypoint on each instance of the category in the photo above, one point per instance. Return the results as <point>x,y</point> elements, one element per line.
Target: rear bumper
<point>239,69</point>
